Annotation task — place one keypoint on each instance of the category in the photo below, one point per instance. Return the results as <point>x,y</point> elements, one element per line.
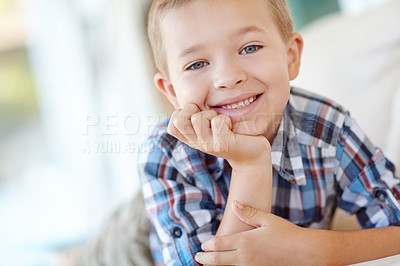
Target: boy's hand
<point>212,133</point>
<point>275,241</point>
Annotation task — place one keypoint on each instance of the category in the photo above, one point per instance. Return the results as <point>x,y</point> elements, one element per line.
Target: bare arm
<point>358,246</point>
<point>251,183</point>
<point>275,238</point>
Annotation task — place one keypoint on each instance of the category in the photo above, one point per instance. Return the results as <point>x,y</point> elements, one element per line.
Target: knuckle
<point>251,213</point>
<point>171,129</point>
<point>175,113</point>
<point>177,122</point>
<point>227,120</point>
<point>195,118</point>
<point>216,244</point>
<point>181,124</point>
<point>216,120</point>
<point>221,120</point>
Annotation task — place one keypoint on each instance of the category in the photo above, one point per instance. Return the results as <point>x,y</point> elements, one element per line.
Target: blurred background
<point>77,99</point>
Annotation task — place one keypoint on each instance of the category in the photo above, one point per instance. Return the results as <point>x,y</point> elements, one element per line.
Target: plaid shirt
<point>321,159</point>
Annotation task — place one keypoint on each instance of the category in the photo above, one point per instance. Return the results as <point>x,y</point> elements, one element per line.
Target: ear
<point>165,86</point>
<point>295,48</point>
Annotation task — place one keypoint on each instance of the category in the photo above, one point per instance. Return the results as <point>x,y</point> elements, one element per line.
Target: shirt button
<point>380,194</point>
<point>176,232</point>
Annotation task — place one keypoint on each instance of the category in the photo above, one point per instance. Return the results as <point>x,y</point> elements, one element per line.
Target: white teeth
<point>239,104</point>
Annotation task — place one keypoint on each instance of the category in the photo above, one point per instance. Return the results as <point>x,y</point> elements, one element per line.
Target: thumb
<point>249,215</point>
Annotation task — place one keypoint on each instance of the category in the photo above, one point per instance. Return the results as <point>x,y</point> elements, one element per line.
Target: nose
<point>228,75</point>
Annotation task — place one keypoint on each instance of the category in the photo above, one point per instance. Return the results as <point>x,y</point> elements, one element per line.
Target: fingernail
<point>196,258</point>
<point>238,204</point>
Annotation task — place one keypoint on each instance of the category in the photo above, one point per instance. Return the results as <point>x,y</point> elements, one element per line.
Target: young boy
<point>241,136</point>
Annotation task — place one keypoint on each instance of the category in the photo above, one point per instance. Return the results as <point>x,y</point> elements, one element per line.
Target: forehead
<point>202,20</point>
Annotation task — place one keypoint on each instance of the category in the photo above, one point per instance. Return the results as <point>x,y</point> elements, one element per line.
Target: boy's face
<point>230,57</point>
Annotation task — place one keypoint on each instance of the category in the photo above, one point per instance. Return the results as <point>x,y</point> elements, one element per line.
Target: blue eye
<point>197,65</point>
<point>250,49</point>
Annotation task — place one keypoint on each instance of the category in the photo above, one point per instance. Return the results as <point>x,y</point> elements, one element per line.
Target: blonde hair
<point>279,10</point>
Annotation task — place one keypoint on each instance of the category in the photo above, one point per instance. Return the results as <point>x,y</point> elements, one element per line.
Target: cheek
<point>267,71</point>
<point>192,93</point>
<point>273,67</point>
<point>278,84</point>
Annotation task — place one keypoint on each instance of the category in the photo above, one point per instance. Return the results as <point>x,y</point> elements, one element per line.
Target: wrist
<point>260,162</point>
<point>260,157</point>
<point>318,246</point>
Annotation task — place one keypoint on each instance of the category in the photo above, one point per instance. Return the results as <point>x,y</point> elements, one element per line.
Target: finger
<point>222,243</point>
<point>249,215</point>
<point>183,121</point>
<point>202,124</point>
<point>217,258</point>
<point>221,124</point>
<point>172,130</point>
<point>221,129</point>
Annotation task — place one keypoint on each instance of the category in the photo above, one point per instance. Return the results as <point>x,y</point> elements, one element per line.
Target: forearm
<point>346,247</point>
<point>251,184</point>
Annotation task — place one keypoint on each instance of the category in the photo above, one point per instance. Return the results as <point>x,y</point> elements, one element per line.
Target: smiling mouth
<point>240,104</point>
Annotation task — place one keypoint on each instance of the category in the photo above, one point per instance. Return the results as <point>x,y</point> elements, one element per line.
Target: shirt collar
<point>285,152</point>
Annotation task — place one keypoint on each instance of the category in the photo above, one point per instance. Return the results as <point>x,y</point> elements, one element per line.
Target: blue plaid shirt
<point>321,160</point>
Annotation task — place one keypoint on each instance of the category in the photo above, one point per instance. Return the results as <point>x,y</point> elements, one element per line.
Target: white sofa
<point>355,60</point>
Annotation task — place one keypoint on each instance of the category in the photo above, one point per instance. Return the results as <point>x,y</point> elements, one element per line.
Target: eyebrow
<point>191,50</point>
<point>248,29</point>
<point>240,31</point>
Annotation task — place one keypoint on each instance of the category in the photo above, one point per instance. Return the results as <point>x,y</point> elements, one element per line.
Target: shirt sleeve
<point>181,206</point>
<point>366,180</point>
